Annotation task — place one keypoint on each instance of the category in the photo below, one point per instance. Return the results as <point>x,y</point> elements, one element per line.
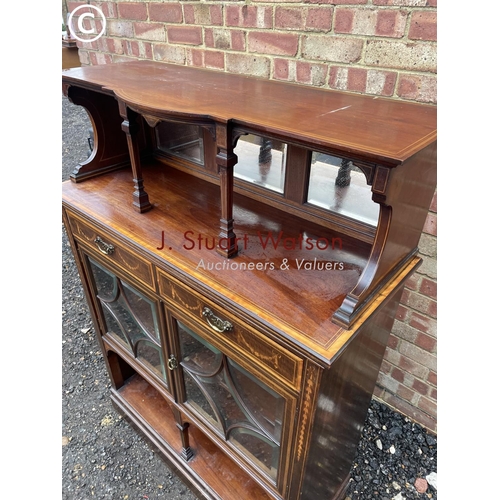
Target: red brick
<point>433,394</point>
<point>356,79</point>
<point>238,41</point>
<point>401,313</point>
<point>423,26</point>
<point>319,19</point>
<point>303,72</point>
<point>290,18</point>
<point>432,3</point>
<point>420,387</point>
<point>281,70</point>
<point>280,44</point>
<point>344,19</point>
<point>391,23</point>
<point>426,342</point>
<point>216,15</point>
<point>189,35</point>
<point>195,57</point>
<point>249,16</point>
<point>134,11</point>
<point>398,375</point>
<point>429,288</point>
<point>214,59</point>
<point>418,88</point>
<point>166,12</point>
<point>432,378</point>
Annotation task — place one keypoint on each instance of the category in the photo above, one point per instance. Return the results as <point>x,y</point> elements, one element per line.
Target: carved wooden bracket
<point>131,128</point>
<point>110,147</point>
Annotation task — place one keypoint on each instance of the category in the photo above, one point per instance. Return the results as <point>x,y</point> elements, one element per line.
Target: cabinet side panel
<point>343,400</point>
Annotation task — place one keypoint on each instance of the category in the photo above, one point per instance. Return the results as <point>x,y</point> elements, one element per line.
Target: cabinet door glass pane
<point>339,186</point>
<point>261,161</point>
<point>247,413</point>
<point>130,317</point>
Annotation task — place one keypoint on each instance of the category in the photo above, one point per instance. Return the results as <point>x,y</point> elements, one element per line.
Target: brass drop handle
<point>172,362</point>
<point>105,248</point>
<point>218,324</point>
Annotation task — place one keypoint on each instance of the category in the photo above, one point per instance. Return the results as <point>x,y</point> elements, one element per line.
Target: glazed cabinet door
<point>130,321</point>
<point>248,413</point>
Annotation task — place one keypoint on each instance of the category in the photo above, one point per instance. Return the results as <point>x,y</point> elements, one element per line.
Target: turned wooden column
<point>226,160</point>
<point>131,128</point>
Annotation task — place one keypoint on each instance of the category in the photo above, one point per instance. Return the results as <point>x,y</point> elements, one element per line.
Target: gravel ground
<point>104,458</point>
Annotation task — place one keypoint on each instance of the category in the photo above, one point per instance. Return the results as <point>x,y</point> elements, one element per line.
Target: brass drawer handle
<point>219,325</point>
<point>105,248</point>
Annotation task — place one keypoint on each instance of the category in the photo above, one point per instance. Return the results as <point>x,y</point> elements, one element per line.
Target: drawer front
<point>116,253</point>
<point>223,328</point>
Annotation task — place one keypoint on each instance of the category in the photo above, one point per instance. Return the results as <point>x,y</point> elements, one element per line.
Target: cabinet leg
<point>186,452</point>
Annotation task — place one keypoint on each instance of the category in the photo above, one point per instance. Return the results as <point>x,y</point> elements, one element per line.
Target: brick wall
<point>377,47</point>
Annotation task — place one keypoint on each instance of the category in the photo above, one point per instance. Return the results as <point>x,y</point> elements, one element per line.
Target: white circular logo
<point>79,23</point>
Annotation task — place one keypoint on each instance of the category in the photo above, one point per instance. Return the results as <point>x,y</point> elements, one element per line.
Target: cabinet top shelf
<point>369,128</point>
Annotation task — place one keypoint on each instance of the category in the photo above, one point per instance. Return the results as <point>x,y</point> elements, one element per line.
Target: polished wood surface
<point>298,302</point>
<point>383,130</point>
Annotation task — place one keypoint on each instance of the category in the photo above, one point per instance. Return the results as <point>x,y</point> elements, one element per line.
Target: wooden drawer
<point>228,333</point>
<point>116,253</point>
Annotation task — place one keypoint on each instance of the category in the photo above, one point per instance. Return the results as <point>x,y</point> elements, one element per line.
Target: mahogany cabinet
<point>243,245</point>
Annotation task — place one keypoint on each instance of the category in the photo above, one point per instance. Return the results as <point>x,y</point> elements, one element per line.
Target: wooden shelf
<point>210,469</point>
